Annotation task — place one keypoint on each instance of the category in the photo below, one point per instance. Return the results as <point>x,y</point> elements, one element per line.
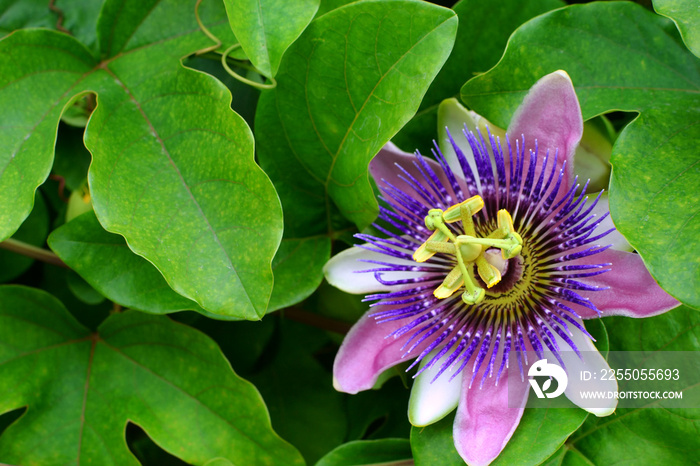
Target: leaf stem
<point>59,13</point>
<point>34,252</point>
<point>315,320</point>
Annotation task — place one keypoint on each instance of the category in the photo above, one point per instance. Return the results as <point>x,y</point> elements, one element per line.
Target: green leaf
<point>266,28</point>
<point>330,5</point>
<point>540,433</point>
<point>54,281</point>
<point>686,15</point>
<point>96,254</point>
<point>381,412</point>
<point>622,57</point>
<point>35,83</point>
<point>210,222</point>
<point>655,434</point>
<point>18,14</point>
<point>351,81</point>
<point>81,389</point>
<point>295,255</point>
<point>484,29</point>
<point>33,231</point>
<point>304,407</point>
<point>568,456</point>
<point>386,452</point>
<point>218,462</point>
<point>173,168</point>
<point>82,289</point>
<point>80,18</point>
<point>434,445</point>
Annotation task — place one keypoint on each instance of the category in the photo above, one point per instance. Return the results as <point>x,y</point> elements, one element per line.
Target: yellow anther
<point>445,248</point>
<point>452,282</point>
<point>474,203</point>
<point>488,273</point>
<point>422,254</point>
<point>505,221</point>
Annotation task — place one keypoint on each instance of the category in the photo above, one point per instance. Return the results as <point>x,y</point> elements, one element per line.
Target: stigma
<point>468,250</point>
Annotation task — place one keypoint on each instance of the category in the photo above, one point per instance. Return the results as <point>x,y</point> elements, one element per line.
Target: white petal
<point>593,362</point>
<point>454,116</point>
<point>430,402</point>
<point>342,271</point>
<point>615,237</point>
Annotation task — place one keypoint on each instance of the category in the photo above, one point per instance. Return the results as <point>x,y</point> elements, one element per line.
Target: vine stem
<point>34,252</point>
<point>293,313</point>
<point>59,13</point>
<point>315,320</point>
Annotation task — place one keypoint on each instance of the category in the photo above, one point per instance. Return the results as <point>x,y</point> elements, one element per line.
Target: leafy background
<point>165,225</point>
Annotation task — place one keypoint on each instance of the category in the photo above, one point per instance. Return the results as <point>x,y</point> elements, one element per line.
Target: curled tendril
<point>224,56</point>
<point>206,32</point>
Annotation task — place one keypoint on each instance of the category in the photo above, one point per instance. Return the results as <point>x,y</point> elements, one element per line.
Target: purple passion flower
<point>490,252</point>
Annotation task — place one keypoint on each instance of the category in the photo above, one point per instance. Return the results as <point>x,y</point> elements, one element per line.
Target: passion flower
<point>488,252</point>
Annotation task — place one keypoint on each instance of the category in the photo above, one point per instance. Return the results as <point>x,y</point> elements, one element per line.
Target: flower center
<point>468,249</point>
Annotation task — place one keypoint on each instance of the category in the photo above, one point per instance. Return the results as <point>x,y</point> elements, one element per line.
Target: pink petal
<point>366,352</point>
<point>485,421</point>
<point>632,293</point>
<point>550,114</point>
<point>383,169</point>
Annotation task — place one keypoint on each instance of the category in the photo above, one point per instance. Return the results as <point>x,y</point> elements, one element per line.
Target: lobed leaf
<point>266,28</point>
<point>198,207</point>
<point>34,88</point>
<point>622,57</point>
<point>82,388</point>
<point>173,168</point>
<point>317,136</point>
<point>96,254</point>
<point>349,83</point>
